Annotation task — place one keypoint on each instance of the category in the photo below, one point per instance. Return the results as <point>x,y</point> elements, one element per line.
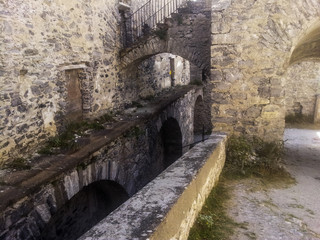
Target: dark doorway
<point>172,141</point>
<point>84,210</point>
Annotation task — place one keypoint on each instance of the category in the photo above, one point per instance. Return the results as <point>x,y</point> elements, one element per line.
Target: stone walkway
<point>290,213</point>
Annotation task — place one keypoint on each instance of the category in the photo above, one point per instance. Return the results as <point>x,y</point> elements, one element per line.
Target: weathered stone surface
<point>252,42</point>
<point>302,86</point>
<point>38,43</point>
<point>130,158</point>
<point>166,208</point>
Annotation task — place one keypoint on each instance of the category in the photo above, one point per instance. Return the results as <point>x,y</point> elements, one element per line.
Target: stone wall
<point>251,47</point>
<point>39,43</point>
<point>131,160</point>
<point>302,86</point>
<point>167,207</point>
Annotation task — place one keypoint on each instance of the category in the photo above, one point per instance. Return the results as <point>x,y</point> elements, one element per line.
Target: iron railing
<point>146,18</point>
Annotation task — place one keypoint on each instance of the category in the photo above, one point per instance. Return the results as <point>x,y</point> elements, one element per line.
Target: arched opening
<point>198,119</point>
<point>84,210</point>
<point>302,98</point>
<point>301,136</point>
<point>308,47</point>
<point>172,141</point>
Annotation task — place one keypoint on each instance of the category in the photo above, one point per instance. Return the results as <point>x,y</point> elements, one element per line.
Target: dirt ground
<point>288,213</point>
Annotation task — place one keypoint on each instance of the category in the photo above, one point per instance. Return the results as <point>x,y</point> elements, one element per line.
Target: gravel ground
<point>290,213</point>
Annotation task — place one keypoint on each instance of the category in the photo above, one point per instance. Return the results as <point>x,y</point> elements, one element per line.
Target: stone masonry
<point>39,43</point>
<point>129,154</point>
<point>252,42</point>
<point>302,87</point>
<point>40,46</point>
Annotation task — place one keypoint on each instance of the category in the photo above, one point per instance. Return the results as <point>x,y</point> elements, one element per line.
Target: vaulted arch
<point>308,48</point>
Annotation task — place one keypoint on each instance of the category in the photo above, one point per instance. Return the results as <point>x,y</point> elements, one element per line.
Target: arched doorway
<point>172,141</point>
<point>302,100</point>
<point>84,210</point>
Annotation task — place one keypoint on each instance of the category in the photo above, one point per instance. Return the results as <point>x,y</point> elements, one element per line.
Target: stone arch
<point>301,100</point>
<point>154,45</point>
<point>84,210</point>
<point>171,138</point>
<point>308,47</point>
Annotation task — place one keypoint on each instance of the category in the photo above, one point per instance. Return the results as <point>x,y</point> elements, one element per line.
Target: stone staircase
<point>186,33</point>
<point>137,27</point>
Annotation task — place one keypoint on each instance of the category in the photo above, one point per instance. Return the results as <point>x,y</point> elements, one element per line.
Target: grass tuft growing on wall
<point>245,158</point>
<point>68,139</point>
<point>19,164</point>
<point>213,222</point>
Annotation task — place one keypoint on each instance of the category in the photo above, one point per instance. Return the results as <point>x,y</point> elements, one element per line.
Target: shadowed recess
<point>172,141</point>
<point>84,210</point>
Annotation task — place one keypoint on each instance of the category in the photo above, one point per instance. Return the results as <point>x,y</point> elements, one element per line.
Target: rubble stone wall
<point>252,42</point>
<point>302,87</point>
<point>39,42</point>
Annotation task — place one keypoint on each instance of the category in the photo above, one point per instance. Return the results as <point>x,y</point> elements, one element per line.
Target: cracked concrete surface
<point>291,213</point>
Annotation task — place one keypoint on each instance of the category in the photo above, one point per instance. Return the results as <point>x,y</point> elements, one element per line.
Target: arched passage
<point>301,99</point>
<point>172,141</point>
<point>308,47</point>
<point>84,210</point>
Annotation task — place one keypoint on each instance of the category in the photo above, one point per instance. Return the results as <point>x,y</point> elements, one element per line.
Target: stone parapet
<point>128,153</point>
<point>166,208</point>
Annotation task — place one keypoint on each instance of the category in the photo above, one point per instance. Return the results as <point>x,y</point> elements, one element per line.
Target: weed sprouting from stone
<point>134,132</point>
<point>246,157</point>
<point>68,139</point>
<point>249,155</point>
<point>213,221</point>
<point>19,164</point>
<point>253,157</point>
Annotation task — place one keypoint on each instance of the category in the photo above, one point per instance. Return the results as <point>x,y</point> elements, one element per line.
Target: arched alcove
<point>84,210</point>
<point>172,141</point>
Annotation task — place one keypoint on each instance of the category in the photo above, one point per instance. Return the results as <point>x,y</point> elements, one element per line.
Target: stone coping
<point>15,185</point>
<point>167,206</point>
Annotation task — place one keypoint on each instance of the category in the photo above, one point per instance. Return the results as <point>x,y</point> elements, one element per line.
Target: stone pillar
<point>317,110</point>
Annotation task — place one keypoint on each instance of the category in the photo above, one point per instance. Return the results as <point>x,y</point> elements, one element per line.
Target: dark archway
<point>172,141</point>
<point>84,210</point>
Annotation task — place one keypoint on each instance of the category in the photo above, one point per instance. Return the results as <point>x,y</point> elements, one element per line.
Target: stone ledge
<point>15,186</point>
<point>167,207</point>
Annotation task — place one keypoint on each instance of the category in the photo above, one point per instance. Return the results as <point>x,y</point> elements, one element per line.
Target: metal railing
<point>146,18</point>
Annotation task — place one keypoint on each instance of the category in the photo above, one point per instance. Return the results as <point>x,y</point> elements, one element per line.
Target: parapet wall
<point>129,153</point>
<point>167,207</point>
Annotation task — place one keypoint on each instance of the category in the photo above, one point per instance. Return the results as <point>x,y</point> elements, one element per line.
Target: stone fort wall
<point>60,63</point>
<point>39,43</point>
<point>302,86</point>
<point>252,42</point>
